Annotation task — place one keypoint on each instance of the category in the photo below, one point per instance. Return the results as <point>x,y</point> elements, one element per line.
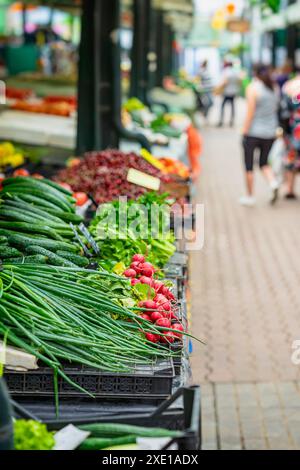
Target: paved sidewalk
<point>246,306</point>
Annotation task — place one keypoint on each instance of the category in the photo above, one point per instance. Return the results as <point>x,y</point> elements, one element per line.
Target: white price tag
<point>143,179</point>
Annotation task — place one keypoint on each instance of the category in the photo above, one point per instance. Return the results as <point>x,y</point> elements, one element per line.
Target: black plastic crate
<point>181,411</point>
<point>153,381</point>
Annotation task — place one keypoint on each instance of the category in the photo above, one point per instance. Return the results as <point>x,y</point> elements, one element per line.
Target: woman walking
<point>259,131</point>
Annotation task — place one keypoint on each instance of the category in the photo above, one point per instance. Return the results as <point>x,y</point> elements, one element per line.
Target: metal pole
<point>140,49</point>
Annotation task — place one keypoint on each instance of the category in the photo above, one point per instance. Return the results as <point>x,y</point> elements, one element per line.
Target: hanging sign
<point>238,25</point>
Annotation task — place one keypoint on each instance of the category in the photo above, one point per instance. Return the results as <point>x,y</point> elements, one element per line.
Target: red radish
<point>151,337</point>
<point>147,272</point>
<point>21,172</point>
<point>148,304</point>
<point>145,316</point>
<point>156,316</point>
<point>134,281</point>
<point>158,286</point>
<point>164,322</point>
<point>147,265</point>
<point>173,316</point>
<point>160,299</point>
<point>135,265</point>
<point>130,273</point>
<point>146,280</point>
<point>139,258</point>
<point>168,337</point>
<point>81,198</point>
<point>171,296</point>
<point>165,306</point>
<point>177,326</point>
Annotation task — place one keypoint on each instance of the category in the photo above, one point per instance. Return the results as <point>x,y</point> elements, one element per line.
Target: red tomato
<point>21,172</point>
<point>81,198</point>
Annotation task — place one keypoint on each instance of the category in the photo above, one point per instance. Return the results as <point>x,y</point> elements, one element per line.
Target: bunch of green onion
<point>64,315</point>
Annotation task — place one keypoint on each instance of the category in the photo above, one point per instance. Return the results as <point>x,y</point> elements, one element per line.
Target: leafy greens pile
<point>147,230</point>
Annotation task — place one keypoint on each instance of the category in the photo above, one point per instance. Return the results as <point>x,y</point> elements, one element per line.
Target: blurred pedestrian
<point>230,88</point>
<point>259,130</point>
<point>204,94</point>
<point>291,94</point>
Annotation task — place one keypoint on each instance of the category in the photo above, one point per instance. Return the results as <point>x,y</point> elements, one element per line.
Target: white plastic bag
<point>276,158</point>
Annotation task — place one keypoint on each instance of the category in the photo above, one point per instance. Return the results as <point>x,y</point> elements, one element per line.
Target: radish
<point>151,337</point>
<point>149,304</point>
<point>160,299</point>
<point>164,322</point>
<point>168,337</point>
<point>177,326</point>
<point>146,272</point>
<point>165,291</point>
<point>158,286</point>
<point>130,273</point>
<point>134,281</point>
<point>139,258</point>
<point>173,316</point>
<point>165,306</point>
<point>145,316</point>
<point>156,316</point>
<point>146,280</point>
<point>171,296</point>
<point>135,265</point>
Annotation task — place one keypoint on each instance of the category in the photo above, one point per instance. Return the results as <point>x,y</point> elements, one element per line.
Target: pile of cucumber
<point>107,435</point>
<point>35,216</point>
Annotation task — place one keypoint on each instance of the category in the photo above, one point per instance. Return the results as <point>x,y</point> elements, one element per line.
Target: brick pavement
<point>246,306</point>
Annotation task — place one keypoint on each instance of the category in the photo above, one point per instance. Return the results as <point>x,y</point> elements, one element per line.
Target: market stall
<point>94,311</point>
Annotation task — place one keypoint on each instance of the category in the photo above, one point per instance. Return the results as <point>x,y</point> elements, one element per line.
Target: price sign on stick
<point>143,179</point>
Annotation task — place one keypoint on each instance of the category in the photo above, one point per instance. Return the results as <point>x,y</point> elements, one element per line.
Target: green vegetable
<point>95,443</point>
<point>116,429</point>
<point>51,257</point>
<point>22,240</point>
<point>34,227</point>
<point>118,243</point>
<point>76,259</point>
<point>32,435</point>
<point>73,315</point>
<point>38,259</point>
<point>8,252</point>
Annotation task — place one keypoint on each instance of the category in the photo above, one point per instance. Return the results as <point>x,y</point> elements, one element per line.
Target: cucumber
<point>66,216</point>
<point>35,218</point>
<point>36,184</point>
<point>35,228</point>
<point>24,239</point>
<point>26,189</point>
<point>9,252</point>
<point>52,257</point>
<point>57,186</point>
<point>97,443</point>
<point>37,201</point>
<point>35,259</point>
<point>114,429</point>
<point>26,206</point>
<point>76,259</point>
<point>19,216</point>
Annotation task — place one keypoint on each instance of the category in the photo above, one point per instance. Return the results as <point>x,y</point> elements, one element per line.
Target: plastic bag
<point>276,158</point>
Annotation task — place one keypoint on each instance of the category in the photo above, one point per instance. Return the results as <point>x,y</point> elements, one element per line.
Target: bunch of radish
<point>160,310</point>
